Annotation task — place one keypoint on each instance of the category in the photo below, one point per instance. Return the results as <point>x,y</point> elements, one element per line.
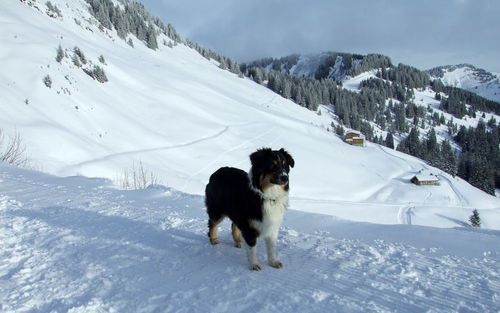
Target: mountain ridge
<point>469,77</point>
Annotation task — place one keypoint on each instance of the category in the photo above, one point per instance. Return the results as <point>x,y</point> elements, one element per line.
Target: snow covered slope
<point>183,117</point>
<point>79,245</point>
<point>468,77</point>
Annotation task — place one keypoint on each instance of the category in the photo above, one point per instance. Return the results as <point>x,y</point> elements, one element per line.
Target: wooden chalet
<point>424,178</point>
<point>355,138</point>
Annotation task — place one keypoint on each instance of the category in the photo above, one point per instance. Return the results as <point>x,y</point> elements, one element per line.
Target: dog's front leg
<point>252,257</point>
<point>271,252</point>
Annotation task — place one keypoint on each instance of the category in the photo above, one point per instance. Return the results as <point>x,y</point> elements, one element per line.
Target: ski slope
<point>77,244</point>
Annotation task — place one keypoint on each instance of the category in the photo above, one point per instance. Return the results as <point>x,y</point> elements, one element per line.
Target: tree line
<point>133,18</point>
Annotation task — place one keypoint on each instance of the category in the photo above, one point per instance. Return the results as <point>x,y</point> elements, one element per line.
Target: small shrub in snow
<point>13,152</point>
<point>130,42</point>
<point>60,54</point>
<point>76,60</point>
<point>102,60</point>
<point>53,10</point>
<point>96,73</point>
<point>99,74</point>
<point>47,81</point>
<point>137,177</point>
<point>80,55</point>
<point>474,219</point>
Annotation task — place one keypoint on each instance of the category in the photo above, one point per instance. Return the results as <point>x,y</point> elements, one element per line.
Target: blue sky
<point>422,33</point>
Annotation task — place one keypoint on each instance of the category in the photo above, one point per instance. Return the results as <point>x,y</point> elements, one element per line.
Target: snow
<point>78,244</point>
<point>308,64</point>
<point>353,83</point>
<point>425,175</point>
<point>475,80</point>
<point>358,236</point>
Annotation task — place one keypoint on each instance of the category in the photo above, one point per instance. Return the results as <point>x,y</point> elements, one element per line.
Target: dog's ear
<point>288,157</point>
<point>258,156</point>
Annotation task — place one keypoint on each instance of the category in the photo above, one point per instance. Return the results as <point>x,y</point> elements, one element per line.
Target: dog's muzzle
<point>280,178</point>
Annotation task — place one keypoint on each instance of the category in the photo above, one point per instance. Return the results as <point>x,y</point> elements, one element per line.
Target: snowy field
<point>78,245</point>
<point>359,237</point>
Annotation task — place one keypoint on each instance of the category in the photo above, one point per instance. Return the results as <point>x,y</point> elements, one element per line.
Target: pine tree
<point>80,55</point>
<point>474,219</point>
<point>60,54</point>
<point>47,81</point>
<point>481,174</point>
<point>448,161</point>
<point>389,141</point>
<point>151,37</point>
<point>432,155</point>
<point>99,74</point>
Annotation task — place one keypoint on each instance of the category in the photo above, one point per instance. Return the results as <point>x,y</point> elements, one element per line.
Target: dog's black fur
<point>255,201</point>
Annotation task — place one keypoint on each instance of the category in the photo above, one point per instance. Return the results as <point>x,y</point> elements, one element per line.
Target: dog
<point>255,202</point>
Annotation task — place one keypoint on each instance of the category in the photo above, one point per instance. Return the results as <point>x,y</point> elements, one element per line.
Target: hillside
<point>397,106</point>
<point>183,119</point>
<point>94,103</point>
<point>185,108</point>
<point>466,76</point>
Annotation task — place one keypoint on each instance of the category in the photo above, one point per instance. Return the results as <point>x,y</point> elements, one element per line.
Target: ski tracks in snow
<point>142,151</point>
<point>246,143</point>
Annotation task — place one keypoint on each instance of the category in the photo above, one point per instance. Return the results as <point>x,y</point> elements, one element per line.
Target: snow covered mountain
<point>344,66</point>
<point>180,116</point>
<point>80,244</point>
<point>466,76</point>
<point>332,65</point>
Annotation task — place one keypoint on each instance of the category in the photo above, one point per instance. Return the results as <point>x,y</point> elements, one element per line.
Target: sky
<point>423,33</point>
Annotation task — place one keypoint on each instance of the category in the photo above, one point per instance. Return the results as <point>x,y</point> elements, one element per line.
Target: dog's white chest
<point>272,216</point>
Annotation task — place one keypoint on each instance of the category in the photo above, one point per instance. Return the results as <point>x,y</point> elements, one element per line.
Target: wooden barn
<point>425,177</point>
<point>355,138</point>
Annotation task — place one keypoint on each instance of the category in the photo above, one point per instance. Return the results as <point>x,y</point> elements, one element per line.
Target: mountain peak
<point>469,77</point>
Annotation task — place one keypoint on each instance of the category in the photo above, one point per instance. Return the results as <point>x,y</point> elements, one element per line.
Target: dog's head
<point>270,168</point>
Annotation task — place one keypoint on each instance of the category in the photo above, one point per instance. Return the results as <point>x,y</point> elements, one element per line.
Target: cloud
<point>448,31</point>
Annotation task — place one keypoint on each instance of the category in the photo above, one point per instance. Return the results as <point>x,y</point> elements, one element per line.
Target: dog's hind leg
<point>235,231</point>
<point>212,229</point>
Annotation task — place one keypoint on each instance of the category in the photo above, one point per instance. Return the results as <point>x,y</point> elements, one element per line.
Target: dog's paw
<point>214,241</point>
<point>255,267</point>
<point>237,245</point>
<point>276,264</point>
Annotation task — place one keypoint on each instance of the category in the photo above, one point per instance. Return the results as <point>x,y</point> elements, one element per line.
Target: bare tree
<point>137,177</point>
<point>13,151</point>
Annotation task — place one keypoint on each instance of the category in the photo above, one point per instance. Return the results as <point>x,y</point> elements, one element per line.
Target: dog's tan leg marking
<point>212,230</point>
<point>235,231</point>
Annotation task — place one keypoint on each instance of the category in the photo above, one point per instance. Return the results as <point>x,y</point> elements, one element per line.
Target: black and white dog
<point>255,202</point>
